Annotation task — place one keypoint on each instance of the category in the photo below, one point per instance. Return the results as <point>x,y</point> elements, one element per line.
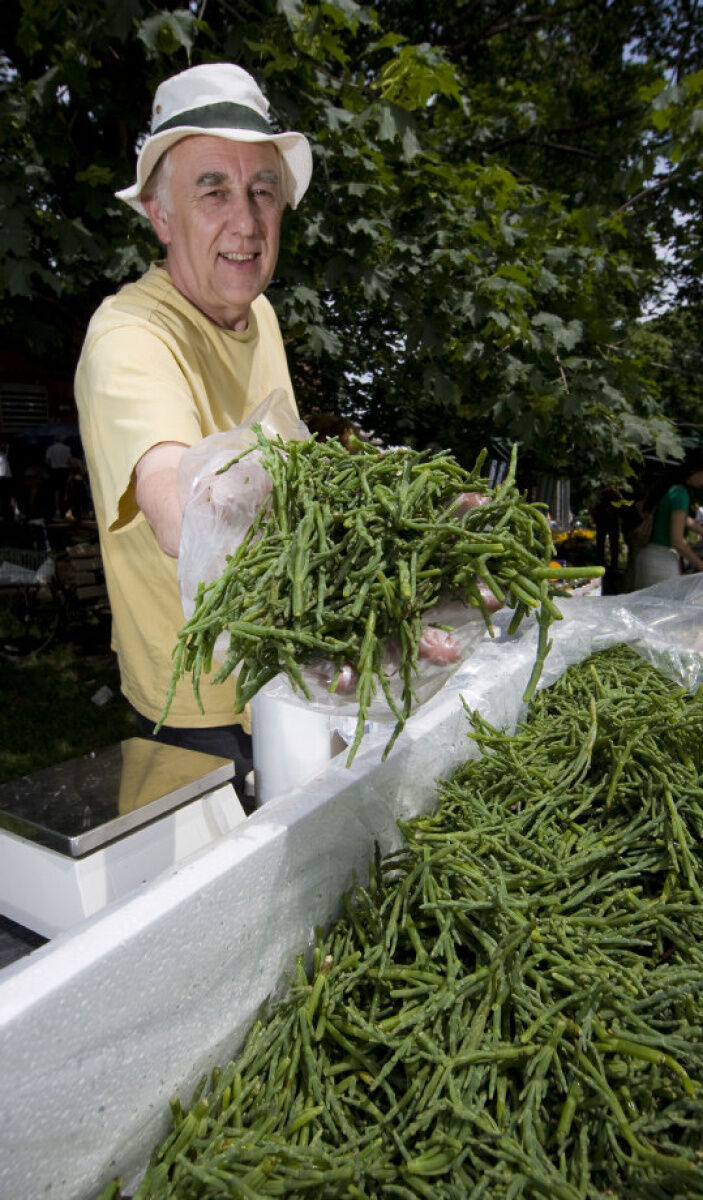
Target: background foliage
<point>504,194</point>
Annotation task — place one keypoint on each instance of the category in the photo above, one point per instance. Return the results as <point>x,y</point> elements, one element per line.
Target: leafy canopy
<point>501,191</point>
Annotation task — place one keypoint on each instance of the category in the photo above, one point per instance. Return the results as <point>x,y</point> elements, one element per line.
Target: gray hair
<point>158,185</point>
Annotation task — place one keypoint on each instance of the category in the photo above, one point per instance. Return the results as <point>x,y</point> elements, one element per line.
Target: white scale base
<point>50,892</point>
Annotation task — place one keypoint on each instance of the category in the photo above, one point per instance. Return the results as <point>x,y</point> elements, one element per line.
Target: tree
<point>671,346</point>
<point>492,183</point>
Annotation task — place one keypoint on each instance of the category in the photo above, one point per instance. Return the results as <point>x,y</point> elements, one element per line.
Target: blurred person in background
<point>670,500</point>
<point>58,462</point>
<point>606,517</point>
<point>78,503</point>
<point>8,502</point>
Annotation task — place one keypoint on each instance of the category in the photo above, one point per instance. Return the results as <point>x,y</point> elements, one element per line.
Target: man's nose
<point>241,214</point>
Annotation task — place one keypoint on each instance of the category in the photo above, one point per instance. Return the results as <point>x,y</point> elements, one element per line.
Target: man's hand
<point>440,646</point>
<point>234,495</point>
<point>465,501</point>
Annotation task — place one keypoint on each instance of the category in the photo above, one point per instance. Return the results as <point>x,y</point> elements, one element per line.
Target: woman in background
<point>670,500</point>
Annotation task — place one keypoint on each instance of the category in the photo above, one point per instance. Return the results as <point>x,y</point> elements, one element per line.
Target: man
<point>188,350</point>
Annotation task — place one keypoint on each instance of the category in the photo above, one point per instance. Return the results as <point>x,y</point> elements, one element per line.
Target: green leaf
<point>43,90</point>
<point>127,261</point>
<point>564,333</point>
<point>95,176</point>
<point>292,10</point>
<point>322,341</point>
<point>16,277</point>
<point>168,32</point>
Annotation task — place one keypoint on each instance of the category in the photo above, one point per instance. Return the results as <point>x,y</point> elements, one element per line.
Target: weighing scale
<point>78,835</point>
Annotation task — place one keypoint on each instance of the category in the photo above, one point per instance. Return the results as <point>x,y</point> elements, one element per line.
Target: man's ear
<point>158,218</point>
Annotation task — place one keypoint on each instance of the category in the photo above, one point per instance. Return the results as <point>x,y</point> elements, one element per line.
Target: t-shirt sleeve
<point>131,394</point>
<point>679,499</point>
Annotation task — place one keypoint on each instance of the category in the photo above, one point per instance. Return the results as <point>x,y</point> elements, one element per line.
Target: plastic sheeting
<point>99,1028</point>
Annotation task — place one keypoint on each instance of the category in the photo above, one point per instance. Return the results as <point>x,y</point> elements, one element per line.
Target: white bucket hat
<point>220,100</point>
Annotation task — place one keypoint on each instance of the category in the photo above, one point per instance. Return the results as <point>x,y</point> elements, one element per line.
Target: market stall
<point>104,1025</point>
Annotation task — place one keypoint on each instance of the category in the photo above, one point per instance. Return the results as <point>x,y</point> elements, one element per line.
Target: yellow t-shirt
<point>155,369</point>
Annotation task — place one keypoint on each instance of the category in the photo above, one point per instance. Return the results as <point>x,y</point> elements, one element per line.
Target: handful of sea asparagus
<point>348,554</point>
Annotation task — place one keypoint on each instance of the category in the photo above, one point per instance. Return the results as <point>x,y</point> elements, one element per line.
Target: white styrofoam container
<point>102,1026</point>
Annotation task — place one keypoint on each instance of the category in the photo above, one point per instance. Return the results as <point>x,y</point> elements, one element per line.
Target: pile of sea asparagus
<point>513,1006</point>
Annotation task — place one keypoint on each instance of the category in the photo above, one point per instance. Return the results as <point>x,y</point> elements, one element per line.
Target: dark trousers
<point>224,741</point>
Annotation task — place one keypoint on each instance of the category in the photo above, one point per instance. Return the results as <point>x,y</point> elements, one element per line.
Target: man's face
<point>221,223</point>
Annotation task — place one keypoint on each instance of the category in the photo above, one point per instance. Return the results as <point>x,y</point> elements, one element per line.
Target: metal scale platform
<point>78,835</point>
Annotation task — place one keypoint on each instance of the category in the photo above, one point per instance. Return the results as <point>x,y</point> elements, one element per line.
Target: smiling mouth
<point>230,256</point>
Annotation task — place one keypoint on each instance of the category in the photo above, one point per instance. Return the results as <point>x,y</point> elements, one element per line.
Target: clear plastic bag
<point>662,623</point>
<point>467,629</point>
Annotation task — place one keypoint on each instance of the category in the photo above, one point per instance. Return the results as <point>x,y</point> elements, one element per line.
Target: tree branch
<point>571,150</point>
<point>655,187</point>
<point>577,127</point>
<point>546,17</point>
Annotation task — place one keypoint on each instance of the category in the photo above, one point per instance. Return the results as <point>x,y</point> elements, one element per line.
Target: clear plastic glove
<point>439,646</point>
<point>465,501</point>
<point>240,488</point>
<point>276,418</point>
<point>220,505</point>
<point>233,496</point>
<point>442,646</point>
<point>324,671</point>
<point>216,520</point>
